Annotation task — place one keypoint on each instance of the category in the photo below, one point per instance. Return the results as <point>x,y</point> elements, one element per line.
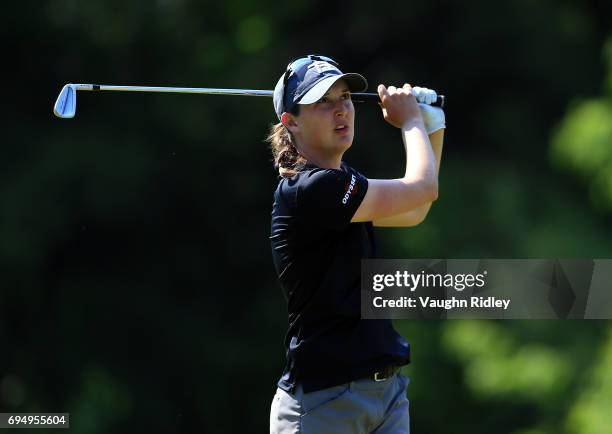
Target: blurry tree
<point>538,368</point>
<point>583,142</point>
<point>591,413</point>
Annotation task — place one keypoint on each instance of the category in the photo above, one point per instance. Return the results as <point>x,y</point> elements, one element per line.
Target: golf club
<point>65,105</point>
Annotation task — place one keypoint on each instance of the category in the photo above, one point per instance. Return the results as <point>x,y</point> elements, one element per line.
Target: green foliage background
<point>137,288</point>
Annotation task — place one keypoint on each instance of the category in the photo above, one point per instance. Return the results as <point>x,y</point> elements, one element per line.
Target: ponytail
<point>286,156</point>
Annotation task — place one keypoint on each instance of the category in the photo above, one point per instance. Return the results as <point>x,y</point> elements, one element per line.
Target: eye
<point>323,99</point>
<point>346,95</point>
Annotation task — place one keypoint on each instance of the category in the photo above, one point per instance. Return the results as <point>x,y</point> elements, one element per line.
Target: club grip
<point>373,97</point>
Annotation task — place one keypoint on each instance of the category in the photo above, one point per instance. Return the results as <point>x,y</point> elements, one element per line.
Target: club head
<point>65,105</point>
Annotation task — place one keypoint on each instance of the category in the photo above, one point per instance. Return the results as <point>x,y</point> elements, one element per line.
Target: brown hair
<point>286,156</point>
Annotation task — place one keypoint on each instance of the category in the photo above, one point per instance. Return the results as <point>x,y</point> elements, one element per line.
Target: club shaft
<point>357,97</point>
<point>157,89</point>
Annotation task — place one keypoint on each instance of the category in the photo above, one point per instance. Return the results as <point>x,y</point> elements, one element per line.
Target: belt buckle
<point>377,378</point>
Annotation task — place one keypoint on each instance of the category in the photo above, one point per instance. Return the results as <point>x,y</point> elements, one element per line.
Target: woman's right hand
<point>399,106</point>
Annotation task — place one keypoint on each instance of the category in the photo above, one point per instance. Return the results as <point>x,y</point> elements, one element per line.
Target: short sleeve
<point>330,197</point>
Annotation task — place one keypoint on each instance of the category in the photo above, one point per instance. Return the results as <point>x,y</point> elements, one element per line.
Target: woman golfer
<point>342,372</point>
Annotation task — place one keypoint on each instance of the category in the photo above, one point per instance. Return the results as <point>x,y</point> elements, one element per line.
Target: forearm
<point>421,164</point>
<point>417,215</point>
<point>437,141</point>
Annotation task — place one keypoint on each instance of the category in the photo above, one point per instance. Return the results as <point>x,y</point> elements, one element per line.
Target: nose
<point>341,107</point>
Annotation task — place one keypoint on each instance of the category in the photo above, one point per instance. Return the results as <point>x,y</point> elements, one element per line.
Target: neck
<point>325,161</point>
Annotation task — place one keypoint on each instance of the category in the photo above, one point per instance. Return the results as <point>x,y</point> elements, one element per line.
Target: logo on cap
<point>321,66</point>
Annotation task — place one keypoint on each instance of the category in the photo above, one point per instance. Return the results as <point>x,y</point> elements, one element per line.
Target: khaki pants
<point>363,406</point>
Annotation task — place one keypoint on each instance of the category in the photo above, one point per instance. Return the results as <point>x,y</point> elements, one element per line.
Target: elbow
<point>431,190</point>
<point>418,220</point>
<point>417,217</point>
<point>422,191</point>
<point>429,187</point>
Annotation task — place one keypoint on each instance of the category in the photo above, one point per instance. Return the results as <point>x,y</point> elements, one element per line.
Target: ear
<point>289,121</point>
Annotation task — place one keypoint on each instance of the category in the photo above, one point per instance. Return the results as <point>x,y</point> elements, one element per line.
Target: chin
<point>347,142</point>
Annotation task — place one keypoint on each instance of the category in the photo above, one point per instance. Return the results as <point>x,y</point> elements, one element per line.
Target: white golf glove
<point>433,118</point>
<point>424,95</point>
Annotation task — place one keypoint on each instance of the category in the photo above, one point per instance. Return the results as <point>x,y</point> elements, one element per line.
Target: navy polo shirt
<point>317,254</point>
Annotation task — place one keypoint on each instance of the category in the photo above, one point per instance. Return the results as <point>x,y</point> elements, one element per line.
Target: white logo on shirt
<point>350,190</point>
